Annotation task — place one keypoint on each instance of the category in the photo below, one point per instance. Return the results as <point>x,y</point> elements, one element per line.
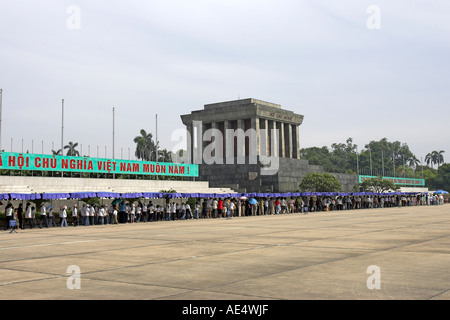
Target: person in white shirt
<point>173,210</point>
<point>168,209</point>
<point>188,211</point>
<point>51,217</point>
<point>8,214</point>
<point>159,213</point>
<point>85,214</point>
<point>91,214</point>
<point>230,210</point>
<point>150,211</point>
<point>33,215</point>
<point>28,215</point>
<point>63,216</point>
<point>43,216</point>
<point>132,213</point>
<point>101,215</point>
<point>138,213</point>
<point>115,212</point>
<point>75,215</point>
<point>197,209</point>
<point>215,205</point>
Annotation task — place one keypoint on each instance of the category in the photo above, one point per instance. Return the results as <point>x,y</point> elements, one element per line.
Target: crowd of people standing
<point>182,209</point>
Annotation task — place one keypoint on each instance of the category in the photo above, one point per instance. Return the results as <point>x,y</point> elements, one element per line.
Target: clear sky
<point>353,70</point>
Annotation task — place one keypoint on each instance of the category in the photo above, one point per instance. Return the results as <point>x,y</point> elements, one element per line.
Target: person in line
<point>51,216</point>
<point>86,212</point>
<point>20,215</point>
<point>115,213</point>
<point>188,211</point>
<point>230,210</point>
<point>9,214</point>
<point>33,216</point>
<point>43,217</point>
<point>204,209</point>
<point>28,215</point>
<point>168,208</point>
<point>63,216</point>
<point>151,211</point>
<point>215,205</point>
<point>183,211</point>
<point>139,212</point>
<point>91,215</point>
<point>132,213</point>
<point>101,215</point>
<point>220,208</point>
<point>75,215</point>
<point>174,211</point>
<point>197,209</point>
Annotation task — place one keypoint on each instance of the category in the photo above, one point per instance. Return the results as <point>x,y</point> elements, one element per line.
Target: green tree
<point>318,156</point>
<point>164,156</point>
<point>435,157</point>
<point>378,185</point>
<point>71,149</point>
<point>385,156</point>
<point>145,146</point>
<point>320,182</point>
<point>441,180</point>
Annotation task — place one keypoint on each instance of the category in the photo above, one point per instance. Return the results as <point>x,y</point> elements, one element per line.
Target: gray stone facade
<point>251,146</point>
<point>248,178</point>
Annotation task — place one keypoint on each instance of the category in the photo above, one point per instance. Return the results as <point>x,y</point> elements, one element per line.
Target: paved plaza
<point>392,253</point>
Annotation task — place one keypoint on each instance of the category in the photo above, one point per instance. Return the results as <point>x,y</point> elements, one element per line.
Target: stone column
<point>215,125</point>
<point>240,142</point>
<point>254,149</point>
<point>281,142</point>
<point>264,140</point>
<point>289,151</point>
<point>274,139</point>
<point>295,144</point>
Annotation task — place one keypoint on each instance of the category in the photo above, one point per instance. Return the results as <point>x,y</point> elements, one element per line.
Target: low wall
<point>21,184</point>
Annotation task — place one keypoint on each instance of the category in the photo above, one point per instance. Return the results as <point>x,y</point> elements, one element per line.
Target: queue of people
<point>209,208</point>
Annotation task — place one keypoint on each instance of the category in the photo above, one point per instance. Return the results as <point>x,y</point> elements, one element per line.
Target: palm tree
<point>145,147</point>
<point>165,156</point>
<point>435,157</point>
<point>429,159</point>
<point>71,149</point>
<point>440,157</point>
<point>413,161</point>
<point>57,152</point>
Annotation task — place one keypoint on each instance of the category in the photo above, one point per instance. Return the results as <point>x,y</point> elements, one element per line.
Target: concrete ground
<point>326,255</point>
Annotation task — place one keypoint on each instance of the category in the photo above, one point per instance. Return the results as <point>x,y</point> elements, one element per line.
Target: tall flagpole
<point>357,162</point>
<point>1,103</point>
<point>62,134</point>
<point>113,152</point>
<point>113,134</point>
<point>156,130</point>
<point>62,128</point>
<point>156,145</point>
